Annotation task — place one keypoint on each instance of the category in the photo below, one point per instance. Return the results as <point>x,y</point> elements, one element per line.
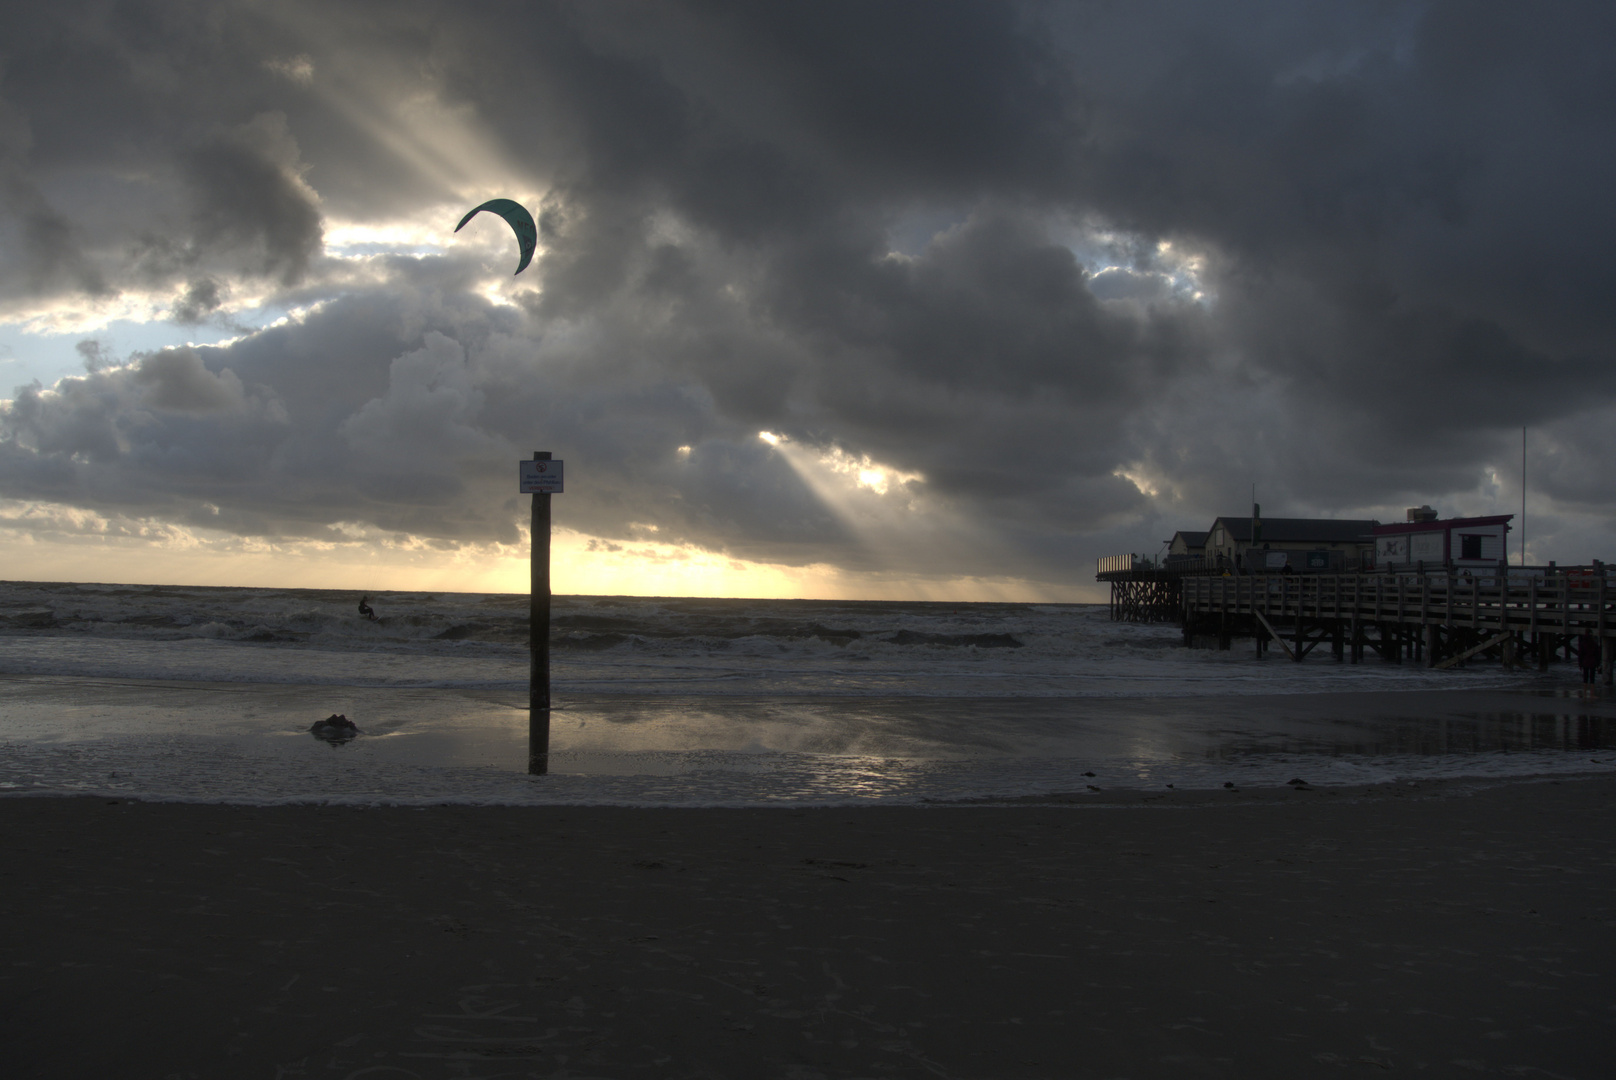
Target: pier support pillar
<point>1430,645</point>
<point>1607,658</point>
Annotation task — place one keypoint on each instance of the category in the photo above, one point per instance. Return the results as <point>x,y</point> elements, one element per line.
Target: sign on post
<point>540,477</point>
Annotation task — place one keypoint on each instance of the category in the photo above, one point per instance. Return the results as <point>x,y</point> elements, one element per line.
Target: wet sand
<point>1450,928</point>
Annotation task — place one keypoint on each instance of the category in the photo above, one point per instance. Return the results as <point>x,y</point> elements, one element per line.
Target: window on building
<point>1469,547</point>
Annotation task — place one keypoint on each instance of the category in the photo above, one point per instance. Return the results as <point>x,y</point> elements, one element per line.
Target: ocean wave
<point>634,645</point>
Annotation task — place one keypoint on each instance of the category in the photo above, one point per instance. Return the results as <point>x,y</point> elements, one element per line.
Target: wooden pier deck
<point>1438,619</point>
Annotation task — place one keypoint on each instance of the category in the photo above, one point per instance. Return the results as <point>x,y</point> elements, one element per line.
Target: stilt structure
<point>1438,620</point>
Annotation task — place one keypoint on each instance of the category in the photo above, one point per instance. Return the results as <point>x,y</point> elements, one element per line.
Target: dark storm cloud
<point>370,411</point>
<point>249,198</point>
<point>1018,249</point>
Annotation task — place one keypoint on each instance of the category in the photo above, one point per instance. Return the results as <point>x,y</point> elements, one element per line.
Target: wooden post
<point>1448,626</point>
<point>1296,628</point>
<point>1537,640</point>
<point>538,632</point>
<point>1606,651</point>
<point>1565,610</point>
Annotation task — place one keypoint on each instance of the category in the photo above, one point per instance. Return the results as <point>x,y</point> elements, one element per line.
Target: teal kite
<point>520,221</point>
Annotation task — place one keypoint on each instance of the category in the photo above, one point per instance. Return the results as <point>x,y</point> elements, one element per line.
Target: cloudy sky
<point>923,299</point>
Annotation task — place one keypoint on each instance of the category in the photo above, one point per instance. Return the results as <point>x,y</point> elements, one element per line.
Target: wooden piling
<point>538,632</point>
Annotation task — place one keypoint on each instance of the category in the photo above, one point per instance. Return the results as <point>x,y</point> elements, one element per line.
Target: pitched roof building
<point>1294,543</point>
<point>1187,542</point>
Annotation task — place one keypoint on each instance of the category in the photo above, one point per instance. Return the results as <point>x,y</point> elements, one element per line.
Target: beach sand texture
<point>1449,929</point>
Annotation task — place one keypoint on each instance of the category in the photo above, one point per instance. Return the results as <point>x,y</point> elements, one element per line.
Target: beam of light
<point>888,514</point>
<point>445,144</point>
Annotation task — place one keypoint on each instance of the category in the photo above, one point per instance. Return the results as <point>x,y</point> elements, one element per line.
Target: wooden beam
<point>1472,651</point>
<point>1273,635</point>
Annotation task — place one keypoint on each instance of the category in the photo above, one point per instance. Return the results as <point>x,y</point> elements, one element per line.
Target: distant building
<point>1319,545</point>
<point>1334,545</point>
<point>1480,543</point>
<point>1185,547</point>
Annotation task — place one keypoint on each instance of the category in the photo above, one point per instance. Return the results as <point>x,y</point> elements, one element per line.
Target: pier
<point>1144,590</point>
<point>1439,620</point>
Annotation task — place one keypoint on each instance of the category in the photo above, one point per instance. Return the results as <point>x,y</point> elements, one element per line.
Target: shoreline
<point>251,746</point>
<point>1445,927</point>
<point>1116,797</point>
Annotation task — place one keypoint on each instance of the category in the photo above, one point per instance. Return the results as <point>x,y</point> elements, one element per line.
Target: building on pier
<point>1319,545</point>
<point>1479,543</point>
<point>1185,548</point>
<point>1145,589</point>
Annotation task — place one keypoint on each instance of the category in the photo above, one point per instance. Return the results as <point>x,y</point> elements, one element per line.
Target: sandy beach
<point>1453,928</point>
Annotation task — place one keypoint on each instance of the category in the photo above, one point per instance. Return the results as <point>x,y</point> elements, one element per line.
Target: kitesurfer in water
<point>366,611</point>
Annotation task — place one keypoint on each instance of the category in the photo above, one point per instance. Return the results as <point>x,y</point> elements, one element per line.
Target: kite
<point>520,221</point>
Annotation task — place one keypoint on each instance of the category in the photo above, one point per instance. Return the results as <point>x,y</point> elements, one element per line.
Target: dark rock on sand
<point>334,728</point>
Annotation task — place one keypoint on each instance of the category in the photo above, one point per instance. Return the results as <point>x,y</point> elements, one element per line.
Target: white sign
<point>1278,560</point>
<point>540,477</point>
<point>1409,548</point>
<point>1425,547</point>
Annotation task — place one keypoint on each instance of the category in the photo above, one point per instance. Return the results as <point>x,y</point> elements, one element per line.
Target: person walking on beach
<point>1588,658</point>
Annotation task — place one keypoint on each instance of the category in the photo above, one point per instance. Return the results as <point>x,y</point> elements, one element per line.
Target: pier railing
<point>1115,564</point>
<point>1112,567</point>
<point>1571,603</point>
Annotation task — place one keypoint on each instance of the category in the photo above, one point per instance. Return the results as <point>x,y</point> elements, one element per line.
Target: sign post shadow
<point>541,478</point>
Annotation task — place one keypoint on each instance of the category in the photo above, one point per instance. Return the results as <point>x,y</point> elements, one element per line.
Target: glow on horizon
<point>54,543</point>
